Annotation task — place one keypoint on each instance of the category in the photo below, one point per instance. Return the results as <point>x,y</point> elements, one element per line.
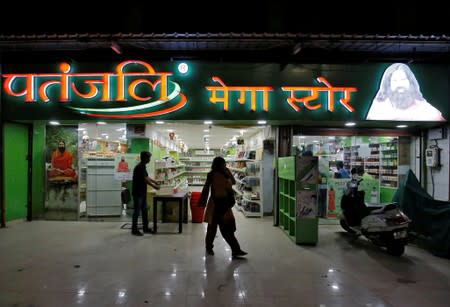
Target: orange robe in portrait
<point>62,164</point>
<point>123,167</point>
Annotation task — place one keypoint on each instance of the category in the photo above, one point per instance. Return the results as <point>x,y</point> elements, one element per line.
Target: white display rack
<point>103,195</point>
<point>170,174</point>
<point>248,187</point>
<point>197,167</point>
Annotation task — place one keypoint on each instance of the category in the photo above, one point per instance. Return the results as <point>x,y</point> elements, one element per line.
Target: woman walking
<point>218,207</point>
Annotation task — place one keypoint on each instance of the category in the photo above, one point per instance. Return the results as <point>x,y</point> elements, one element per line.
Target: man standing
<point>139,190</point>
<point>342,172</point>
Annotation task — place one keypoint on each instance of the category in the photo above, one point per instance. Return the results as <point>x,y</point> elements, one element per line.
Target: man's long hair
<point>385,90</point>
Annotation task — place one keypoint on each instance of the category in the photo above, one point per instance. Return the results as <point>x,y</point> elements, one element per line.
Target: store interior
<point>106,153</point>
<point>181,158</point>
<point>382,161</point>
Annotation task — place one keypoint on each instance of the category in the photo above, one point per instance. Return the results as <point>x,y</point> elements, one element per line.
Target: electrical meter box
<point>432,157</point>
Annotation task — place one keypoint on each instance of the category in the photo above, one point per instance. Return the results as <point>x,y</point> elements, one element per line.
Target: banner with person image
<point>124,165</point>
<point>61,164</point>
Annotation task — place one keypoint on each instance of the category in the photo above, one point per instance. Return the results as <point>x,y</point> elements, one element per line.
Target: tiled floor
<point>50,263</point>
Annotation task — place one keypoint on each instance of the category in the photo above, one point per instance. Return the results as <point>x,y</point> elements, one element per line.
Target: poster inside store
<point>61,167</point>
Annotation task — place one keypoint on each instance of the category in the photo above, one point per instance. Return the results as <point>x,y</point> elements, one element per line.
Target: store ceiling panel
<point>193,135</point>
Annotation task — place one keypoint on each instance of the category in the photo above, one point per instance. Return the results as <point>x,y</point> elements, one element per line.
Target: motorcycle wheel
<point>346,227</point>
<point>395,248</point>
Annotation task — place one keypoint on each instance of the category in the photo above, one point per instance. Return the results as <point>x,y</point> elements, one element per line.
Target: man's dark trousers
<point>140,206</point>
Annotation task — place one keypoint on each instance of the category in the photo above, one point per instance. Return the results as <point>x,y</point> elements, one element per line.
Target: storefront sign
<point>135,89</point>
<point>35,89</point>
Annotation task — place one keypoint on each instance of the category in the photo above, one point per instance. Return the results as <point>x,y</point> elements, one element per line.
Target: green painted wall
<point>158,152</point>
<point>347,141</point>
<point>139,144</point>
<point>16,171</point>
<point>174,154</point>
<point>38,192</point>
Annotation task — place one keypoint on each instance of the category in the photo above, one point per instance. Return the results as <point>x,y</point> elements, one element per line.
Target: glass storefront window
<point>382,161</point>
<point>61,175</point>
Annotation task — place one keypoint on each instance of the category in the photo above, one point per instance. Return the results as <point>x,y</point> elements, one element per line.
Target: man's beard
<point>401,100</point>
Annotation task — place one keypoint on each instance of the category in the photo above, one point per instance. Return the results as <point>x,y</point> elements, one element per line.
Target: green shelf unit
<point>286,168</point>
<point>299,227</point>
<point>387,194</point>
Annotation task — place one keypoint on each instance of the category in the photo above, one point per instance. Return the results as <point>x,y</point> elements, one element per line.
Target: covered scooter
<point>385,225</point>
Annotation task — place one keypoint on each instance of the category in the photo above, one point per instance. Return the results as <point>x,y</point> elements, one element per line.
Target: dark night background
<point>363,17</point>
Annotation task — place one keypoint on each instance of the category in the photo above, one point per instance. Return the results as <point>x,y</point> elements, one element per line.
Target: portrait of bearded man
<point>399,98</point>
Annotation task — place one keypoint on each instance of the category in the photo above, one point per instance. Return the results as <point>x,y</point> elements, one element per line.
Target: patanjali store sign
<point>134,89</point>
<point>163,96</point>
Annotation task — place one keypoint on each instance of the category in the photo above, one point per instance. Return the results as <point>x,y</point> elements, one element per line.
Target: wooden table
<point>180,197</point>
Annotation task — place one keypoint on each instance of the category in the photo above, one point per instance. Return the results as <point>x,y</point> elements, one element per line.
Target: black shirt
<point>139,183</point>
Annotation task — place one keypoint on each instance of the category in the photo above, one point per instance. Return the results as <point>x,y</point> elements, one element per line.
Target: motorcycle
<point>385,225</point>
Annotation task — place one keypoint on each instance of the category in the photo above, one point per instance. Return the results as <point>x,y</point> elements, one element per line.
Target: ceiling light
<point>208,122</point>
<point>262,122</point>
<point>101,123</point>
<point>402,126</point>
<point>54,123</point>
<point>350,124</point>
<point>159,122</point>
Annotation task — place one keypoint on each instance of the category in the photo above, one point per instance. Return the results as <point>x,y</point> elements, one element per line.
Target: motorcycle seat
<point>373,208</point>
<point>384,208</point>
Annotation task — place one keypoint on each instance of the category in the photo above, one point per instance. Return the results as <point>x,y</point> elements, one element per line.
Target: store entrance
<point>181,158</point>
